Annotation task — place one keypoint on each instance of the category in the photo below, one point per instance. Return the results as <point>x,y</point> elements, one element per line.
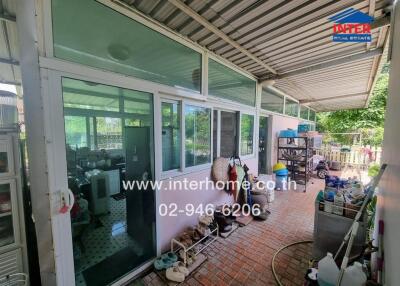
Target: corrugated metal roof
<point>286,35</point>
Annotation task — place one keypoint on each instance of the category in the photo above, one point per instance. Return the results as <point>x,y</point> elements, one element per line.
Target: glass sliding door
<point>262,145</point>
<point>109,141</point>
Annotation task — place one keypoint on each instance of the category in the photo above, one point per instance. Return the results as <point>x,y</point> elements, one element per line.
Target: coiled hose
<point>279,250</point>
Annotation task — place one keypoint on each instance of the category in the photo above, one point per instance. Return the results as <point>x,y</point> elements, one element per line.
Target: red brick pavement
<point>244,258</point>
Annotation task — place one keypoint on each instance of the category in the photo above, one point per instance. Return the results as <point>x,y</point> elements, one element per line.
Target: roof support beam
<point>333,97</point>
<point>204,22</point>
<point>381,22</point>
<point>371,12</point>
<point>329,63</point>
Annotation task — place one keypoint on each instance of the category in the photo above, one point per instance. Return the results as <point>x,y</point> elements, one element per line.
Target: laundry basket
<point>17,279</point>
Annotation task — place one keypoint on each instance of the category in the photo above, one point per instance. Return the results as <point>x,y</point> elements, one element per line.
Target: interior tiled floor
<point>244,258</point>
<point>104,240</point>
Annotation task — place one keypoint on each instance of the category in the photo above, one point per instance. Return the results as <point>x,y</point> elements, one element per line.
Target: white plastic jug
<point>338,204</point>
<point>354,275</point>
<point>328,271</point>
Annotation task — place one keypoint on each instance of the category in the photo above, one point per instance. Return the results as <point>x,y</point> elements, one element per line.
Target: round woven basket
<point>220,169</point>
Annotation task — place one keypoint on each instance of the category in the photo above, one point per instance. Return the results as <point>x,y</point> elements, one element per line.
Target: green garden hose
<point>276,253</point>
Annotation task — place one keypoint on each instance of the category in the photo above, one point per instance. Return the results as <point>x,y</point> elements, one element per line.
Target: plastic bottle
<point>338,204</point>
<point>354,275</point>
<point>328,271</point>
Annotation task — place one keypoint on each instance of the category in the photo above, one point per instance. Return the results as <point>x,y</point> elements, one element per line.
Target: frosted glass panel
<point>89,33</point>
<point>291,108</point>
<point>313,115</point>
<point>226,83</point>
<point>271,101</point>
<point>304,112</point>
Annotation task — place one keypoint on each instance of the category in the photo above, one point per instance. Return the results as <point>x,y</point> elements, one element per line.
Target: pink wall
<point>171,226</point>
<point>280,123</point>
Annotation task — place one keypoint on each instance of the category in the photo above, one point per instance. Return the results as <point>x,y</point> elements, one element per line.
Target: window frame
<point>180,112</point>
<point>276,93</point>
<point>294,101</point>
<point>184,170</point>
<point>204,165</point>
<point>234,69</point>
<point>308,112</point>
<point>255,123</point>
<point>237,114</point>
<point>93,114</point>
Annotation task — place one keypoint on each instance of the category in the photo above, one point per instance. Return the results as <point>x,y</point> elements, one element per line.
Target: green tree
<point>368,121</point>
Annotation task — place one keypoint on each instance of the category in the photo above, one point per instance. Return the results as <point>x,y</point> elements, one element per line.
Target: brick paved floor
<point>244,258</point>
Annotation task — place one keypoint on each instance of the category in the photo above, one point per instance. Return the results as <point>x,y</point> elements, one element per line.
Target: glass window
<point>246,134</point>
<point>215,134</point>
<point>225,83</point>
<point>109,133</point>
<point>272,101</point>
<point>75,131</point>
<point>171,136</point>
<point>313,115</point>
<point>228,145</point>
<point>87,95</point>
<point>197,135</point>
<point>103,38</point>
<point>137,102</point>
<point>6,216</point>
<point>291,108</point>
<point>304,112</point>
<point>228,134</point>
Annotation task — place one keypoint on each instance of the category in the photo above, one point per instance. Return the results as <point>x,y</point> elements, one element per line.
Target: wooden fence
<point>358,156</point>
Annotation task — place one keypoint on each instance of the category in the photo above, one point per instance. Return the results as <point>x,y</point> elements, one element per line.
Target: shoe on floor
<point>181,268</point>
<point>162,263</point>
<point>170,256</point>
<point>225,229</point>
<point>174,274</point>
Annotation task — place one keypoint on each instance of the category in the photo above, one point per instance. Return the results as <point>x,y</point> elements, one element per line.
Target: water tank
<point>8,109</point>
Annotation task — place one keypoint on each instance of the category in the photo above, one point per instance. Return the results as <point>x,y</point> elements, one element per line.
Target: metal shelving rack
<point>302,149</point>
<point>207,240</point>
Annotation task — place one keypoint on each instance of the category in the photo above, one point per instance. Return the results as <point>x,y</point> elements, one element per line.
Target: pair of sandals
<point>206,219</point>
<point>224,222</point>
<point>165,261</point>
<point>188,237</point>
<point>178,272</point>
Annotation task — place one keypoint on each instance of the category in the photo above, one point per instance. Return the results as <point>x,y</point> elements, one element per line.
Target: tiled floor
<point>105,240</point>
<point>244,258</point>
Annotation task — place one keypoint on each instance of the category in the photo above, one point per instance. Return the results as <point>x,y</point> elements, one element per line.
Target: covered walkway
<point>244,258</point>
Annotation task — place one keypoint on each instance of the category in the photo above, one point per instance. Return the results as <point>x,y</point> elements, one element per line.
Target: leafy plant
<point>368,121</point>
<point>373,170</point>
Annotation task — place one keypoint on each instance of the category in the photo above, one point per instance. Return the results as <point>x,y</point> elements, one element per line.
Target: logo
<point>352,25</point>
